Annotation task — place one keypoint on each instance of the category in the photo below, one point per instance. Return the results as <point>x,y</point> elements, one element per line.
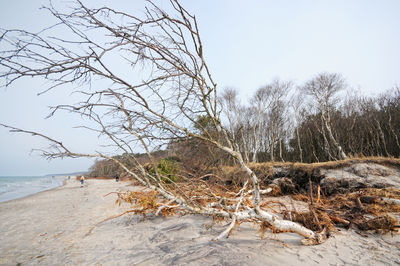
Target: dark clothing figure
<point>117,178</point>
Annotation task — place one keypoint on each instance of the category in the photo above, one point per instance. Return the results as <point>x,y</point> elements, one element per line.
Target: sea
<point>14,187</point>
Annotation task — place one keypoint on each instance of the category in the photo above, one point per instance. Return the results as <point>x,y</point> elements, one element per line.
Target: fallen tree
<point>162,92</point>
<point>358,193</point>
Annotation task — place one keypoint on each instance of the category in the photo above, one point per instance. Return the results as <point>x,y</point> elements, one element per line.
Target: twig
<point>228,230</point>
<point>165,205</point>
<point>109,218</point>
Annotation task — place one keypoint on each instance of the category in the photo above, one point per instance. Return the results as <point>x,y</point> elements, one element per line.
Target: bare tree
<point>323,89</point>
<point>260,103</point>
<point>236,115</point>
<point>166,86</point>
<point>296,104</point>
<point>388,104</point>
<point>277,114</point>
<point>269,108</point>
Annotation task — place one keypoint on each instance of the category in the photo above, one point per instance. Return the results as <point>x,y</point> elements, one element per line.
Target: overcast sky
<point>247,43</point>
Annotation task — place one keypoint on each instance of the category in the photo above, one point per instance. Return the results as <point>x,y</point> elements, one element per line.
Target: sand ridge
<point>51,228</point>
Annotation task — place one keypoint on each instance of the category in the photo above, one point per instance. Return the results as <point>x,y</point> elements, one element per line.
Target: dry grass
<point>322,220</point>
<point>365,209</point>
<point>310,167</point>
<point>381,224</point>
<point>236,176</point>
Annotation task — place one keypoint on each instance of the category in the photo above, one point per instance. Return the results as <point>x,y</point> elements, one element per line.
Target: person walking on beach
<point>82,180</point>
<point>117,177</point>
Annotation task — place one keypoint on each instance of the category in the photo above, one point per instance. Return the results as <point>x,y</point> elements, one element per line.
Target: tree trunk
<point>299,144</point>
<point>341,153</point>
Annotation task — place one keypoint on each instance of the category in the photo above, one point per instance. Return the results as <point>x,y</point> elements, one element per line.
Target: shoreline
<point>52,228</point>
<point>67,183</point>
<point>40,191</point>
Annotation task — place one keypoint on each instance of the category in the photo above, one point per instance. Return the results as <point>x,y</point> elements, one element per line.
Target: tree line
<point>321,120</point>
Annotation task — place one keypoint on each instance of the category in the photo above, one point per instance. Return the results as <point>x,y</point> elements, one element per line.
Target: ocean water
<point>14,187</point>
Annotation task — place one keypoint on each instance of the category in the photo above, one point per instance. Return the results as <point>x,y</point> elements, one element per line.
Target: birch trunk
<point>341,153</point>
<point>299,144</point>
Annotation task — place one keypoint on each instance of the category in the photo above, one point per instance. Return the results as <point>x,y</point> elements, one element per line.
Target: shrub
<point>168,169</point>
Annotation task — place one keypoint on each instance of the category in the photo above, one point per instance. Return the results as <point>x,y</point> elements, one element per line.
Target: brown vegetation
<point>364,210</point>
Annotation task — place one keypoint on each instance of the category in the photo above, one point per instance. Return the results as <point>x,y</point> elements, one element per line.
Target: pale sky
<point>247,43</point>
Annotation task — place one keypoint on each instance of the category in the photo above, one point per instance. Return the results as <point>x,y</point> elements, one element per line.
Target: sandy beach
<point>52,228</point>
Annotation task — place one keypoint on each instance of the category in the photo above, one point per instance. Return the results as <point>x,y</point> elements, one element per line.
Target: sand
<point>51,228</point>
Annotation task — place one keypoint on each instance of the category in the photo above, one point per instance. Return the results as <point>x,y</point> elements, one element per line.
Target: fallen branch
<point>337,219</point>
<point>107,219</point>
<point>166,205</point>
<point>228,230</point>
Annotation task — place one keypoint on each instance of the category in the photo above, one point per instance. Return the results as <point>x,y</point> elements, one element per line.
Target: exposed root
<point>366,210</point>
<point>107,219</point>
<point>356,209</point>
<point>307,219</point>
<point>382,224</point>
<point>318,239</point>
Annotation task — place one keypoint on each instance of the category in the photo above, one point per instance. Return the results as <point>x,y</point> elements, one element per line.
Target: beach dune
<point>52,228</point>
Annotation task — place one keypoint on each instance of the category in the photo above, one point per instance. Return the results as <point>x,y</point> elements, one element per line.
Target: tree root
<point>107,219</point>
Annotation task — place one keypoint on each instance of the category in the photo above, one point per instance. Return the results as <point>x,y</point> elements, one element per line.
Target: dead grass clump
<point>372,200</point>
<point>267,168</point>
<point>232,175</point>
<point>276,190</point>
<point>384,192</point>
<point>382,224</point>
<point>310,167</point>
<point>145,199</point>
<point>308,220</point>
<point>300,197</point>
<point>357,208</point>
<point>381,207</point>
<point>145,202</point>
<point>386,161</point>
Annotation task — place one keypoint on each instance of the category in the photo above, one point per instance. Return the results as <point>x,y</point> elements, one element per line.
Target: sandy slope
<point>51,228</point>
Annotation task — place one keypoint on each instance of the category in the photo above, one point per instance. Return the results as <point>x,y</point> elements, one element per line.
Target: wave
<point>13,187</point>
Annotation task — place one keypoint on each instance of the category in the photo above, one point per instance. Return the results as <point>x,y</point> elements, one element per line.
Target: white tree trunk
<point>341,153</point>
